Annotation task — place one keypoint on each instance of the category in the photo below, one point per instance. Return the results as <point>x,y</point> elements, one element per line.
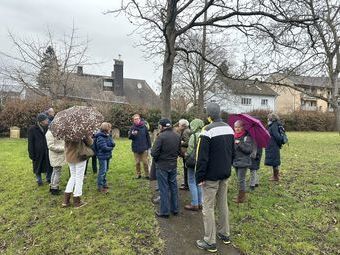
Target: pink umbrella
<point>253,126</point>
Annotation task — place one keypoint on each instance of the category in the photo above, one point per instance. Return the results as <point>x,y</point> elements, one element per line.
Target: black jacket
<point>166,149</point>
<point>37,149</point>
<point>242,152</point>
<point>215,152</point>
<point>273,149</point>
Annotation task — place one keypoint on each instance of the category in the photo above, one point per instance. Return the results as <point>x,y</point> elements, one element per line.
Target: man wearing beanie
<point>37,148</point>
<point>215,152</point>
<point>165,152</point>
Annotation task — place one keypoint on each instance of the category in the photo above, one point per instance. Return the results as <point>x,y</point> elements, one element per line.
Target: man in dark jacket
<point>215,153</point>
<point>141,143</point>
<point>165,151</point>
<point>37,149</point>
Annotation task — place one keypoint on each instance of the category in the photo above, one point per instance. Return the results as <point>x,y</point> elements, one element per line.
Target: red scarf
<point>239,135</point>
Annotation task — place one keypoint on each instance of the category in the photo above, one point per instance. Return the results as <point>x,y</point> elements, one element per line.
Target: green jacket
<point>196,126</point>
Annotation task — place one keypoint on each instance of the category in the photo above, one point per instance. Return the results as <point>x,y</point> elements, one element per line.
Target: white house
<point>239,96</point>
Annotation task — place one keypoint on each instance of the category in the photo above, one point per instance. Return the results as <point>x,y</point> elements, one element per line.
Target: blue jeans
<point>103,168</point>
<point>195,190</point>
<point>167,184</point>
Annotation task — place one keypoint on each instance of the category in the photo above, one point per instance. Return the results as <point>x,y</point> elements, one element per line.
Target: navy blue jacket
<point>141,141</point>
<point>104,145</point>
<point>273,149</point>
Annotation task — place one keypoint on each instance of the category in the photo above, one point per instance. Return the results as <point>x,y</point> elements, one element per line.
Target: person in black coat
<point>272,157</point>
<point>165,152</point>
<point>37,148</point>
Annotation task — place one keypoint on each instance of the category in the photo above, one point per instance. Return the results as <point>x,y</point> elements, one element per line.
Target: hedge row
<point>302,120</point>
<point>22,113</point>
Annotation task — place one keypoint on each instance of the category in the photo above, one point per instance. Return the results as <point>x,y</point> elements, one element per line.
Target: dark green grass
<point>32,221</point>
<point>300,214</point>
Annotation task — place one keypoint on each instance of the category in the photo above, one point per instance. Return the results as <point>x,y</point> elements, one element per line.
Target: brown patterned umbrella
<point>75,123</point>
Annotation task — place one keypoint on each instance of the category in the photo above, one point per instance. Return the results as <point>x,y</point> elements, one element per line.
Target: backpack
<point>282,132</point>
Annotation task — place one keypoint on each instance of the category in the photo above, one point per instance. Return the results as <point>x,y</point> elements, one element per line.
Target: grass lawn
<point>297,216</point>
<point>301,214</point>
<point>32,221</point>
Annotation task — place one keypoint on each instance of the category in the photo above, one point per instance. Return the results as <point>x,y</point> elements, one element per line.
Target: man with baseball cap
<point>165,152</point>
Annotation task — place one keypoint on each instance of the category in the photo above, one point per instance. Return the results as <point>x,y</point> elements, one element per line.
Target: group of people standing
<point>208,153</point>
<point>49,154</point>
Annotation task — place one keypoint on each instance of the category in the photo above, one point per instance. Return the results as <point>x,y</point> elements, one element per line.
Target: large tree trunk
<point>337,118</point>
<point>169,57</point>
<point>202,71</point>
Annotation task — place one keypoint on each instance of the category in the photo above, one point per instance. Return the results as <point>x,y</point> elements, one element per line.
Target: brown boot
<point>191,207</point>
<point>67,197</point>
<point>241,197</point>
<point>275,177</point>
<point>78,203</point>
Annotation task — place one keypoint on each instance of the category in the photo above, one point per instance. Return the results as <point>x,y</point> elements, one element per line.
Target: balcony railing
<point>309,108</point>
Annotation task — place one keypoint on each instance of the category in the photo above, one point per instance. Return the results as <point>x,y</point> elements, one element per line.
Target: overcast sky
<point>108,34</point>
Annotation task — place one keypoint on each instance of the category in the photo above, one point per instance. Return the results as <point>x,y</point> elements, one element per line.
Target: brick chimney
<point>79,70</point>
<point>118,77</point>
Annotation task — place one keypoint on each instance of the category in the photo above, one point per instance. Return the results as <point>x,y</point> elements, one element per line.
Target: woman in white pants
<point>77,168</point>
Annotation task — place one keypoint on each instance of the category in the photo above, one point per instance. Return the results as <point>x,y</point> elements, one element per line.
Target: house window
<point>264,101</point>
<point>107,83</point>
<point>246,101</point>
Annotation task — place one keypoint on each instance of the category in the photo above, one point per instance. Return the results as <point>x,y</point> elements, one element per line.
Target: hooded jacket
<point>104,145</point>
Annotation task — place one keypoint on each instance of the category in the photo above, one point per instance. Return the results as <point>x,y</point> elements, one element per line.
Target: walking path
<point>181,232</point>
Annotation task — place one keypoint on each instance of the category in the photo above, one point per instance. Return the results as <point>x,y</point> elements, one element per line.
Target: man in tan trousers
<point>215,152</point>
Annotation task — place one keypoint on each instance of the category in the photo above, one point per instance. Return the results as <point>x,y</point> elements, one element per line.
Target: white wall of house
<point>244,103</point>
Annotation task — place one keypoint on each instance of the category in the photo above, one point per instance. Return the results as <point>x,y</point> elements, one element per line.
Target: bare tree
<point>27,65</point>
<point>310,50</point>
<point>195,77</point>
<point>164,23</point>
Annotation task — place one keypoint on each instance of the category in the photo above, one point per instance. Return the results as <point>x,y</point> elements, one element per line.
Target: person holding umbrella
<point>243,149</point>
<point>75,126</point>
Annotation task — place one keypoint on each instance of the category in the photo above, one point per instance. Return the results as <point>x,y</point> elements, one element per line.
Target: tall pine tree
<point>49,77</point>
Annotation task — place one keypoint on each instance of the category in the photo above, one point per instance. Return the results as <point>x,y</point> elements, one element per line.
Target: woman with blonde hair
<point>104,145</point>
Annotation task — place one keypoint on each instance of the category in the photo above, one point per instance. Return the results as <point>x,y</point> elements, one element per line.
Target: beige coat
<point>56,149</point>
<point>72,150</point>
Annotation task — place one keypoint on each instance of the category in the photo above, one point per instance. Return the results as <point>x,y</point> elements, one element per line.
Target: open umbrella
<point>76,123</point>
<point>253,126</point>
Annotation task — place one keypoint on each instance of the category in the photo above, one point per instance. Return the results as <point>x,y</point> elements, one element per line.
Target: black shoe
<point>225,239</point>
<point>146,178</point>
<point>203,245</point>
<point>138,177</point>
<point>183,187</point>
<point>174,213</point>
<point>256,185</point>
<point>40,184</point>
<point>161,215</point>
<point>55,192</point>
